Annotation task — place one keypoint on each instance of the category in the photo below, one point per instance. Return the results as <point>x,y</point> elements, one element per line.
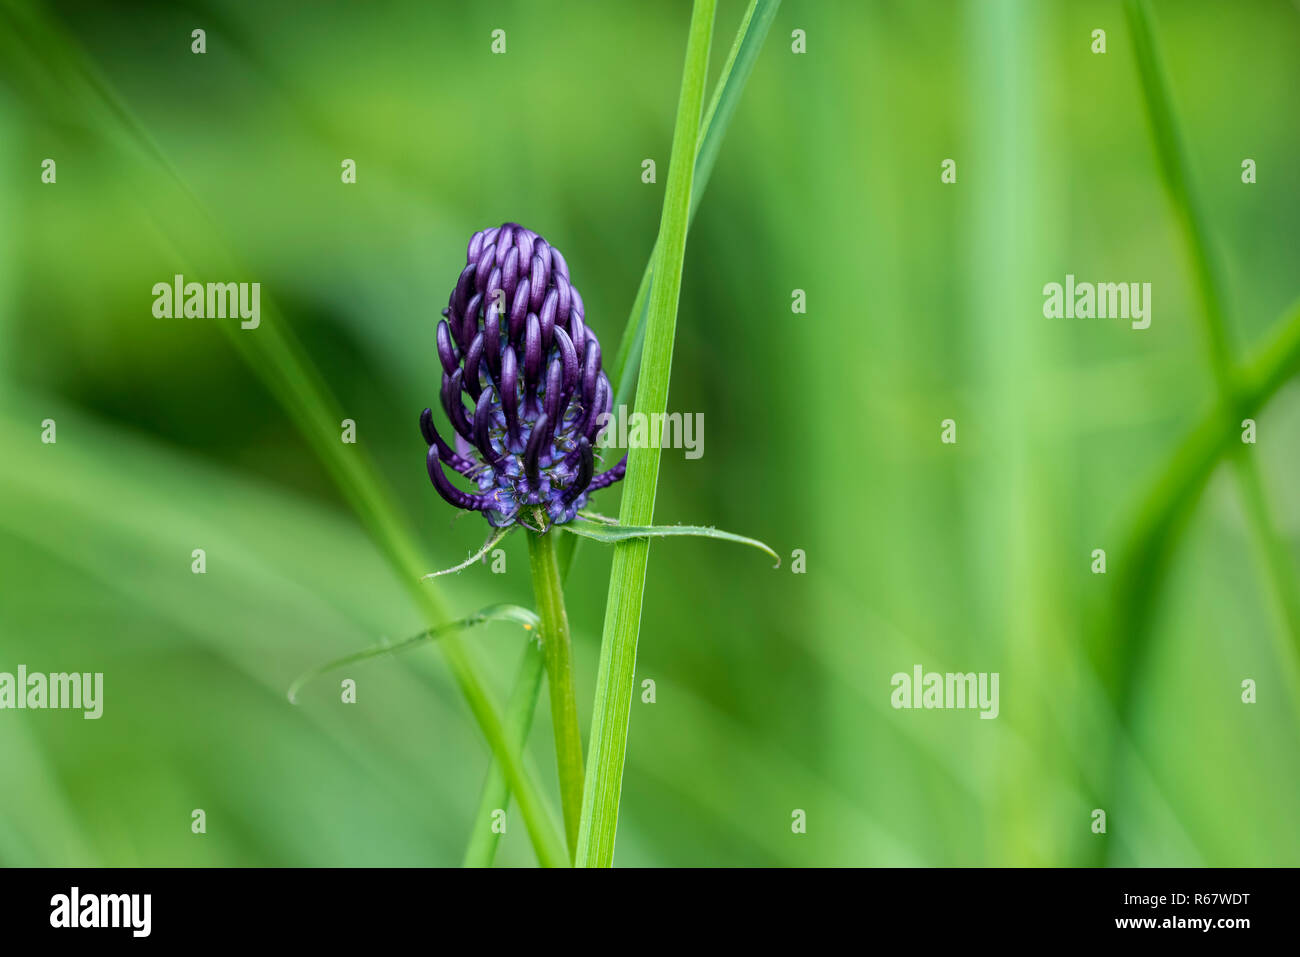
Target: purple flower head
<point>522,384</point>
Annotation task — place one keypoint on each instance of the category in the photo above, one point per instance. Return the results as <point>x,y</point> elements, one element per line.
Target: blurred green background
<point>822,430</point>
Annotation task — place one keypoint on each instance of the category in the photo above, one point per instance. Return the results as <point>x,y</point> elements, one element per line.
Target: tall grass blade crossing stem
<point>749,39</point>
<point>617,671</point>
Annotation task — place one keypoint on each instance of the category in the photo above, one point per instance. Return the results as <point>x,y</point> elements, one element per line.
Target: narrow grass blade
<point>610,534</point>
<point>1120,649</point>
<point>1168,503</point>
<point>726,97</point>
<point>604,781</point>
<point>1175,170</point>
<point>520,709</point>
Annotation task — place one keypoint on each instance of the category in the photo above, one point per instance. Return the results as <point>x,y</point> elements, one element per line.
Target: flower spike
<point>515,341</point>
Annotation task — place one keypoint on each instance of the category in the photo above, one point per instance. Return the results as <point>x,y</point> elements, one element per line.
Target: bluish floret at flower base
<point>514,342</point>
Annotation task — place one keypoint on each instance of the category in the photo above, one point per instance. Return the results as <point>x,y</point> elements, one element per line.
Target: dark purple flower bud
<point>519,310</point>
<point>578,333</point>
<point>586,468</point>
<point>469,323</point>
<point>452,404</point>
<point>475,247</point>
<point>496,296</point>
<point>483,413</point>
<point>590,373</point>
<point>510,396</point>
<point>457,461</point>
<point>510,272</point>
<point>538,390</point>
<point>492,343</point>
<point>533,352</point>
<point>599,407</point>
<point>609,477</point>
<point>446,352</point>
<point>460,296</point>
<point>453,495</point>
<point>568,356</point>
<point>505,242</point>
<point>524,239</point>
<point>485,264</point>
<point>565,300</point>
<point>557,261</point>
<point>554,390</point>
<point>473,357</point>
<point>537,283</point>
<point>547,318</point>
<point>540,436</point>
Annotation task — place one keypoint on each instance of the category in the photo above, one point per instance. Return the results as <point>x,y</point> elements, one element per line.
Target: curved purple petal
<point>609,476</point>
<point>540,435</point>
<point>453,495</point>
<point>446,350</point>
<point>586,466</point>
<point>482,425</point>
<point>445,452</point>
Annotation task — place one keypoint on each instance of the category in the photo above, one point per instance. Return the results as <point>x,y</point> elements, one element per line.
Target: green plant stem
<point>558,654</point>
<point>1175,168</point>
<point>495,796</point>
<point>519,718</point>
<point>614,683</point>
<point>1164,510</point>
<point>1123,643</point>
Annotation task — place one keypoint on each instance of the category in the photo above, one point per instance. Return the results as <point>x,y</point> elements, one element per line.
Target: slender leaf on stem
<point>726,97</point>
<point>610,534</point>
<point>608,746</point>
<point>513,613</point>
<point>597,517</point>
<point>495,796</point>
<point>492,541</point>
<point>558,654</point>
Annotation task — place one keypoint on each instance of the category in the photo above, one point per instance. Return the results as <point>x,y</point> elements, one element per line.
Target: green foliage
<point>772,688</point>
